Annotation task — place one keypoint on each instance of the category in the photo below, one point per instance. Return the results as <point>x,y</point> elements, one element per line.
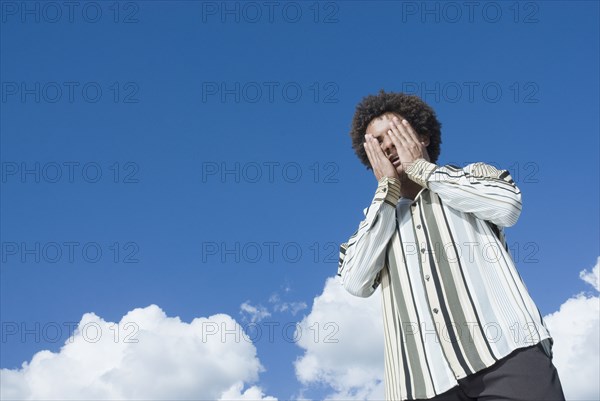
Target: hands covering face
<point>408,149</point>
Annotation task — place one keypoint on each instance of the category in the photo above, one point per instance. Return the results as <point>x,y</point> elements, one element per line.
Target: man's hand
<point>382,167</point>
<point>408,148</point>
<point>407,143</point>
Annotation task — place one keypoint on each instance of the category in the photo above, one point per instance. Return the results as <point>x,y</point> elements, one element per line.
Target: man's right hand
<point>381,165</point>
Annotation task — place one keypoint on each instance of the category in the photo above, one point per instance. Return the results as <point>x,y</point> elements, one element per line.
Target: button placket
<point>425,266</point>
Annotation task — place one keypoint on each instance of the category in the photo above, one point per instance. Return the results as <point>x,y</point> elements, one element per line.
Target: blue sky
<point>185,143</point>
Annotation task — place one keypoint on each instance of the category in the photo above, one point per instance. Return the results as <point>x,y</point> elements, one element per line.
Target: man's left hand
<point>408,145</point>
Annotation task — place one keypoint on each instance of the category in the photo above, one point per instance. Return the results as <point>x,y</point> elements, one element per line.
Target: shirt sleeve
<point>363,256</point>
<point>478,188</point>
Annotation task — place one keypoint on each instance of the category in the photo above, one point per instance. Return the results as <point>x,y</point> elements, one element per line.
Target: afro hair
<point>420,116</point>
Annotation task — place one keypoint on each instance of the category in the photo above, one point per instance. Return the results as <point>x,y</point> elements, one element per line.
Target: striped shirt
<point>453,301</point>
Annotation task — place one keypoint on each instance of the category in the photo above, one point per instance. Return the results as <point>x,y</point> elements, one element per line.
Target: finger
<point>411,140</point>
<point>410,130</point>
<point>376,151</point>
<point>371,154</point>
<point>417,139</point>
<point>382,159</point>
<point>396,130</point>
<point>367,146</point>
<point>396,138</point>
<point>405,136</point>
<point>411,133</point>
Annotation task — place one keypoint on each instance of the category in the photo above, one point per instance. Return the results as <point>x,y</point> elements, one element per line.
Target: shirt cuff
<point>420,170</point>
<point>388,190</point>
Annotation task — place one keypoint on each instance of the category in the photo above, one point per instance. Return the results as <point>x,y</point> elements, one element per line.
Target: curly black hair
<point>418,113</point>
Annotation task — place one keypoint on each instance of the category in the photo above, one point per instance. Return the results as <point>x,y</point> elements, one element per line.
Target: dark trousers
<point>526,374</point>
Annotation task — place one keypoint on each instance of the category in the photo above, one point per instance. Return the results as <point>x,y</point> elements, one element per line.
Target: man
<point>459,323</point>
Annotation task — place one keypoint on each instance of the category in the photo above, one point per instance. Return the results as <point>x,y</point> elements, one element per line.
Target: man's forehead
<point>385,116</point>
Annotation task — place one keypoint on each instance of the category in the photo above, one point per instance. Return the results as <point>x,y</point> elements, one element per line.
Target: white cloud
<point>353,367</point>
<point>280,306</point>
<point>251,394</point>
<point>343,342</point>
<point>593,277</point>
<point>292,307</point>
<point>152,357</point>
<point>576,333</point>
<point>253,313</point>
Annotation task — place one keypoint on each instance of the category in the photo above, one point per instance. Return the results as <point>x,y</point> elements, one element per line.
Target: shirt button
<point>422,250</point>
<point>418,226</point>
<point>435,310</point>
<point>427,277</point>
